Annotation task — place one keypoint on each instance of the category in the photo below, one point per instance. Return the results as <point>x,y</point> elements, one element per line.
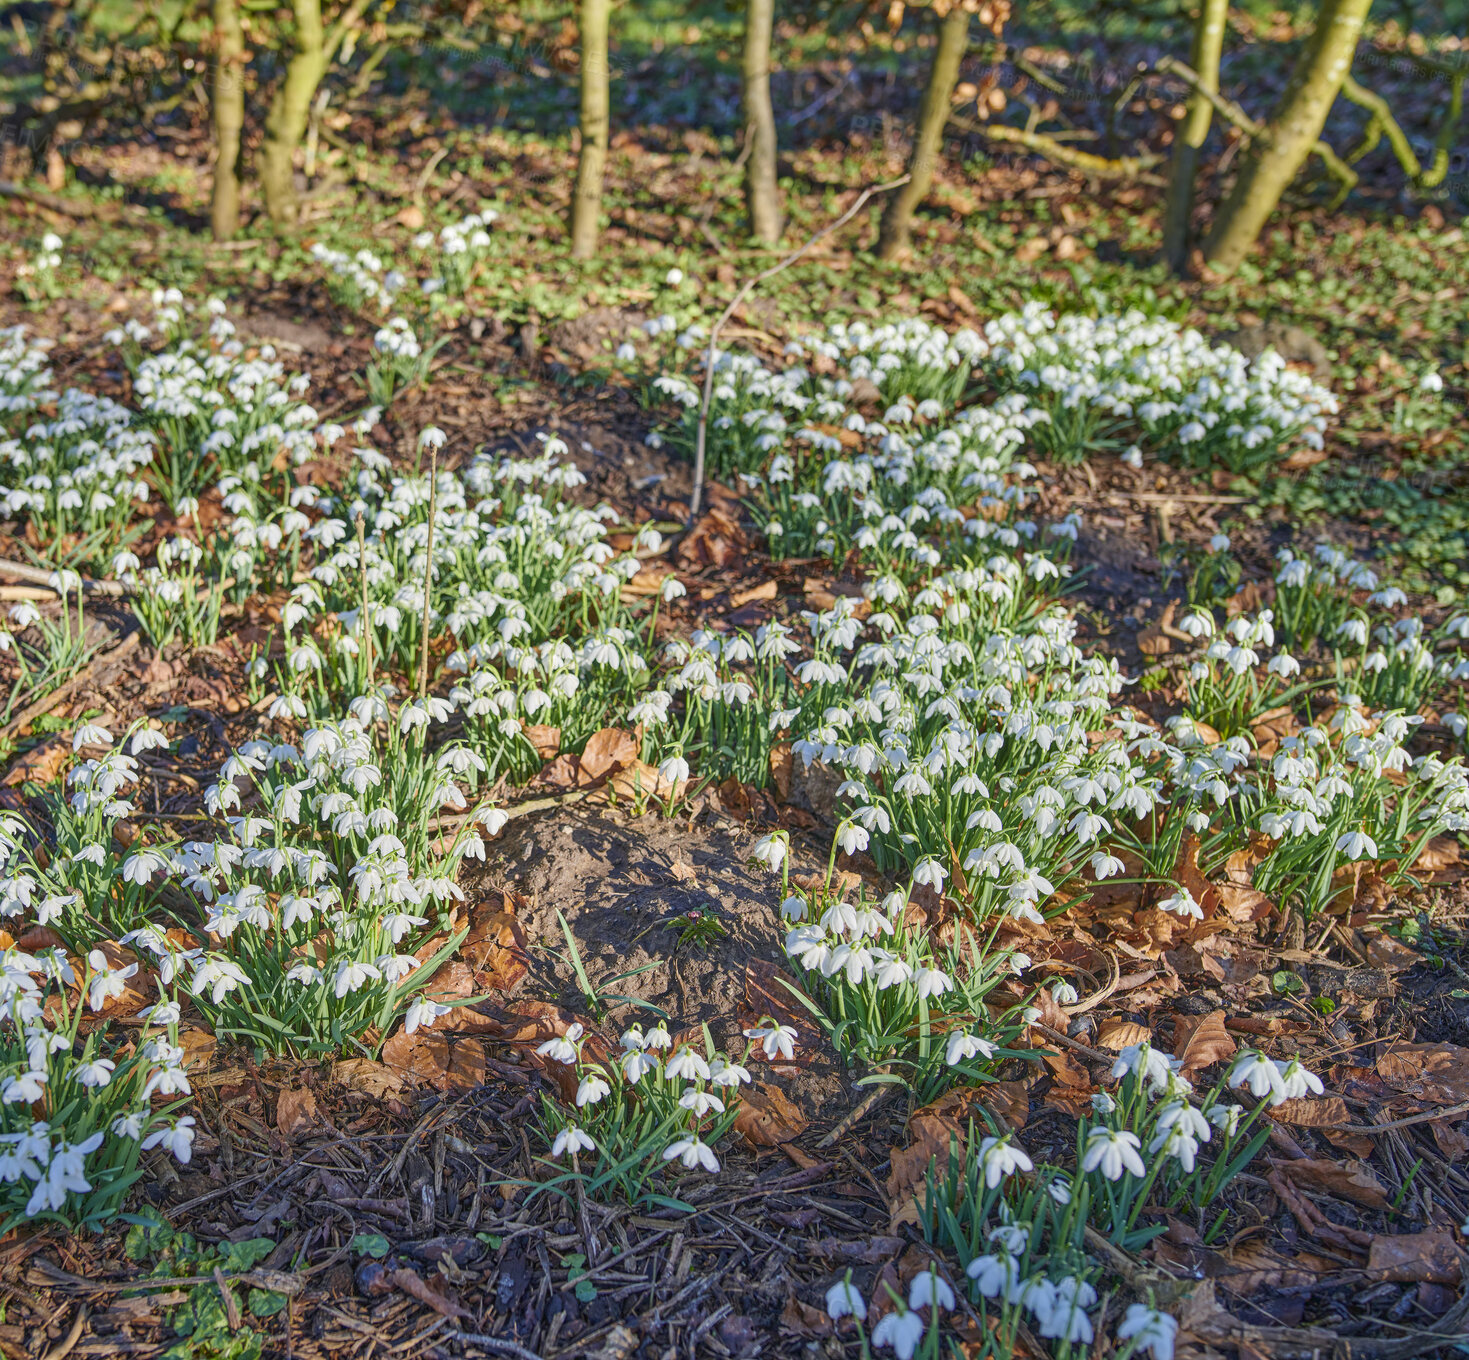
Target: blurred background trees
<point>269,73</point>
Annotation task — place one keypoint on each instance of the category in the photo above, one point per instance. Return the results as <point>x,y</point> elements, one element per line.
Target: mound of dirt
<point>625,888</point>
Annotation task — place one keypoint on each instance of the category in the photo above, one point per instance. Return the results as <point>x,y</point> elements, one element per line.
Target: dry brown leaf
<point>610,749</point>
<point>1425,1257</point>
<point>766,590</point>
<point>1312,1114</point>
<point>421,1058</point>
<point>932,1136</point>
<point>466,1064</point>
<point>42,764</point>
<point>198,1045</point>
<point>495,948</point>
<point>546,740</point>
<point>1432,1072</point>
<point>648,581</point>
<point>295,1113</point>
<point>802,1320</point>
<point>1391,955</point>
<point>1202,1041</point>
<point>781,769</point>
<point>684,873</point>
<point>372,1078</point>
<point>1008,1101</point>
<point>1119,1034</point>
<point>1346,1179</point>
<point>1440,854</point>
<point>766,1116</point>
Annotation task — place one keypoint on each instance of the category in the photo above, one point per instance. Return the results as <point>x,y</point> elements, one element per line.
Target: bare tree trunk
<point>591,165</point>
<point>289,112</point>
<point>762,195</point>
<point>933,114</point>
<point>1272,161</point>
<point>229,118</point>
<point>1189,141</point>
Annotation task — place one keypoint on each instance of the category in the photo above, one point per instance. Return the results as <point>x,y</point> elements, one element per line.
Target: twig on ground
<point>428,569</point>
<point>44,705</point>
<point>697,495</point>
<point>44,576</point>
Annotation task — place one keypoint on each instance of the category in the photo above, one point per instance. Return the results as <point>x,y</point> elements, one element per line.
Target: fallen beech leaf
<point>422,1057</point>
<point>1203,1042</point>
<point>1312,1114</point>
<point>198,1045</point>
<point>1434,1072</point>
<point>561,773</point>
<point>1391,955</point>
<point>1346,1179</point>
<point>1120,1034</point>
<point>295,1113</point>
<point>802,1320</point>
<point>1008,1101</point>
<point>610,749</point>
<point>781,768</point>
<point>766,590</point>
<point>766,1116</point>
<point>495,949</point>
<point>933,1137</point>
<point>466,1064</point>
<point>1441,853</point>
<point>648,581</point>
<point>1425,1257</point>
<point>684,873</point>
<point>42,764</point>
<point>546,740</point>
<point>372,1078</point>
<point>637,780</point>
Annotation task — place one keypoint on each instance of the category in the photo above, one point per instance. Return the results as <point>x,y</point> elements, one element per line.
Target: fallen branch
<point>33,711</point>
<point>65,206</point>
<point>47,577</point>
<point>697,496</point>
<point>1132,168</point>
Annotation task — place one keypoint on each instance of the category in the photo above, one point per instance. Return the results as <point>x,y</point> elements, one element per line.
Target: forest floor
<point>398,1193</point>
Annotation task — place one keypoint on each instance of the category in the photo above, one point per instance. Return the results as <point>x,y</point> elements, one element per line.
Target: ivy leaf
<point>372,1244</point>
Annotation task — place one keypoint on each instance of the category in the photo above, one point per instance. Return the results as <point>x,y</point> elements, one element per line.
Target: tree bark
<point>1288,138</point>
<point>933,114</point>
<point>591,165</point>
<point>290,111</point>
<point>762,195</point>
<point>1208,44</point>
<point>229,118</point>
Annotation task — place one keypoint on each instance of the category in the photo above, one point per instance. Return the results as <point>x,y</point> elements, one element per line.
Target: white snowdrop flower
<point>963,1046</point>
<point>1150,1330</point>
<point>1356,845</point>
<point>1001,1159</point>
<point>573,1140</point>
<point>691,1152</point>
<point>1182,903</point>
<point>776,1041</point>
<point>1113,1151</point>
<point>844,1300</point>
<point>900,1332</point>
<point>929,1289</point>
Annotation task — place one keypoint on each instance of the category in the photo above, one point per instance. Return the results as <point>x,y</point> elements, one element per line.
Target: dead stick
<point>44,576</point>
<point>698,493</point>
<point>428,570</point>
<point>35,710</point>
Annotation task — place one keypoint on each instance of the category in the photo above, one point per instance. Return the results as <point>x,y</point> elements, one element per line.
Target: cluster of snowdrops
<point>979,754</point>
